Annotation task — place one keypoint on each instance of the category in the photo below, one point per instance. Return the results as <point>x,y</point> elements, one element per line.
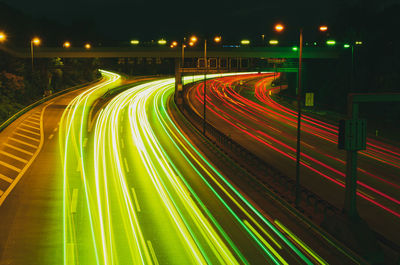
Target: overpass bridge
<point>309,52</point>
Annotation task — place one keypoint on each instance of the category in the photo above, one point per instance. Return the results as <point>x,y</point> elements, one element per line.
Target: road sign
<point>309,99</point>
<point>352,134</point>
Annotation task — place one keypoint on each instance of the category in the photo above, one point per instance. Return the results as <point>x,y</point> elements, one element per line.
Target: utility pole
<point>205,87</point>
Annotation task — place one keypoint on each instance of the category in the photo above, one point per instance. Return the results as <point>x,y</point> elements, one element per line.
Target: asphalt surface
<point>248,114</point>
<point>122,184</point>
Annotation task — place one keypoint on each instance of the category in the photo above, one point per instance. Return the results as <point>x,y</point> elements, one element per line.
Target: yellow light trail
<point>115,163</point>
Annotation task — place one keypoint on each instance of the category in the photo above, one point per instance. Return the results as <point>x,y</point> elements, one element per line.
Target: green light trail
<point>136,172</point>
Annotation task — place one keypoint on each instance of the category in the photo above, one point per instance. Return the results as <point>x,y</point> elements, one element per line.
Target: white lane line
<point>51,136</point>
<point>135,199</point>
<point>28,131</point>
<point>5,178</point>
<point>13,156</point>
<point>34,119</point>
<point>153,254</point>
<point>27,137</point>
<point>22,142</point>
<point>26,167</point>
<point>26,121</point>
<point>126,164</point>
<point>10,166</point>
<point>18,149</point>
<point>29,126</point>
<point>74,200</point>
<point>306,144</point>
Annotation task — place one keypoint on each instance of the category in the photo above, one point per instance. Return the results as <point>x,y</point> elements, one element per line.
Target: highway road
<point>116,181</point>
<point>251,117</point>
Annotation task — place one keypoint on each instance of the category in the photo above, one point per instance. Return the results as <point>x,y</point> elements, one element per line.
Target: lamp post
<point>205,87</point>
<point>35,41</point>
<point>280,28</point>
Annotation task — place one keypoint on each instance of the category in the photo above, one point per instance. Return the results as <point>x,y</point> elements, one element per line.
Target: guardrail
<point>312,209</point>
<point>37,103</point>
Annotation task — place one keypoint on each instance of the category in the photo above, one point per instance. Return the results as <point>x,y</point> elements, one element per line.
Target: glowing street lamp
<point>67,44</point>
<point>273,42</point>
<point>245,42</point>
<point>88,46</point>
<point>217,39</point>
<point>34,42</point>
<point>323,28</point>
<point>134,42</point>
<point>193,39</point>
<point>174,44</point>
<point>162,42</point>
<point>279,27</point>
<point>3,37</point>
<point>191,44</point>
<point>330,42</point>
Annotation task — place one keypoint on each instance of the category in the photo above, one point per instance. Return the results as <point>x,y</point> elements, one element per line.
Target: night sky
<point>121,19</point>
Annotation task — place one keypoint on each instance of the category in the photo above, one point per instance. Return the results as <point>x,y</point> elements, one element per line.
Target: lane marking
<point>33,118</point>
<point>33,124</point>
<point>18,149</point>
<point>38,148</point>
<point>51,136</point>
<point>74,200</point>
<point>29,126</point>
<point>153,254</point>
<point>22,142</point>
<point>126,164</point>
<point>10,166</point>
<point>28,131</point>
<point>55,129</point>
<point>1,192</point>
<point>5,178</point>
<point>13,156</point>
<point>307,145</point>
<point>263,139</point>
<point>135,199</point>
<point>27,137</point>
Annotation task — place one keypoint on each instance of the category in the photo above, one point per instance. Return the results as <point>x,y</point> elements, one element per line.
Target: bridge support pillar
<point>178,82</point>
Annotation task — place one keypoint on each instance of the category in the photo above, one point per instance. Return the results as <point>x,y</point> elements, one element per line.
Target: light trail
<point>175,222</point>
<point>223,97</point>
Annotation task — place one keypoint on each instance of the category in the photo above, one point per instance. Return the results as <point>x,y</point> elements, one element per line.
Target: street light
<point>3,37</point>
<point>193,39</point>
<point>279,28</point>
<point>67,44</point>
<point>88,46</point>
<point>273,42</point>
<point>245,42</point>
<point>162,42</point>
<point>217,39</point>
<point>34,42</point>
<point>323,28</point>
<point>134,42</point>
